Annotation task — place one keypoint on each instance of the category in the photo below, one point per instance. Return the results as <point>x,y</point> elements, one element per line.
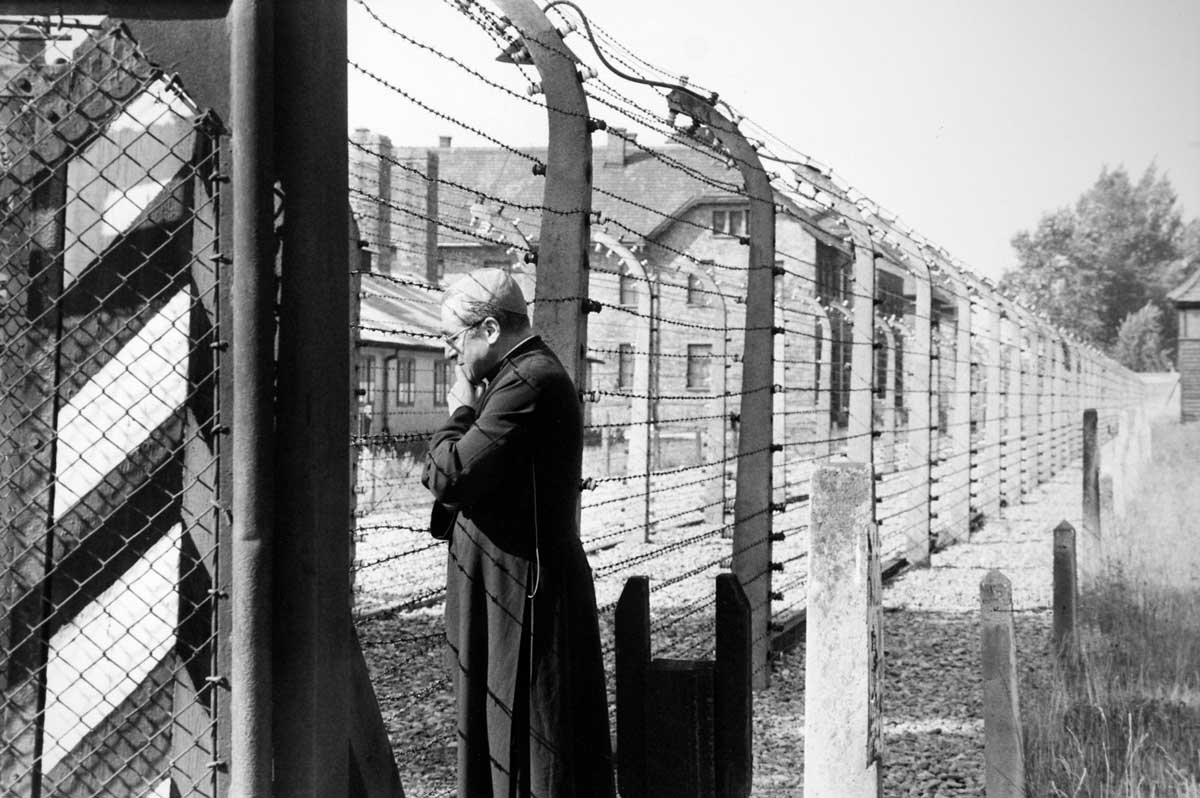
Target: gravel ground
<point>933,729</point>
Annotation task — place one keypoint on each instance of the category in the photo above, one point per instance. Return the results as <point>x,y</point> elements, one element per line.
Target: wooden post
<point>632,632</point>
<point>733,705</point>
<point>1065,592</point>
<point>844,667</point>
<point>1004,760</point>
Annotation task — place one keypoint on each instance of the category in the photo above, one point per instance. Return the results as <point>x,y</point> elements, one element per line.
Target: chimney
<point>443,142</point>
<point>618,143</point>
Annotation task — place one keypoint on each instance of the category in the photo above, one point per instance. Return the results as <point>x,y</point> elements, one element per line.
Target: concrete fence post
<point>920,417</point>
<point>753,500</point>
<point>1016,403</point>
<point>1091,495</point>
<point>958,477</point>
<point>1004,759</point>
<point>844,638</point>
<point>992,488</point>
<point>1065,590</point>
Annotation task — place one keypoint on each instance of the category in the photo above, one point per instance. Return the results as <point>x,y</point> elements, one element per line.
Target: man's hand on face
<point>462,393</point>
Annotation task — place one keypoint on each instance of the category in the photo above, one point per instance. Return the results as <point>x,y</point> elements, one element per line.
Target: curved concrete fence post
<point>640,430</point>
<point>884,390</point>
<point>991,483</point>
<point>958,471</point>
<point>756,442</point>
<point>822,396</point>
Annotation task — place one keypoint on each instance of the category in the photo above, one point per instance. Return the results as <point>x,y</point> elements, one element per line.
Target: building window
<point>625,366</point>
<point>443,376</point>
<point>889,289</point>
<point>406,384</point>
<point>699,366</point>
<point>626,290</point>
<point>729,222</point>
<point>1189,323</point>
<point>695,293</point>
<point>833,273</point>
<point>833,279</point>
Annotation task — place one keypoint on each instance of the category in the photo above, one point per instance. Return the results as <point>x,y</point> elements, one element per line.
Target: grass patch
<point>1129,724</point>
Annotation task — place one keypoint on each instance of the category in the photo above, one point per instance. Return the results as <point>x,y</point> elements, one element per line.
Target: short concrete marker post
<point>843,673</point>
<point>1004,758</point>
<point>1066,594</point>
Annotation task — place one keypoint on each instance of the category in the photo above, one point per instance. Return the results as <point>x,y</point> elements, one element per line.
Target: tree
<point>1091,266</point>
<point>1140,340</point>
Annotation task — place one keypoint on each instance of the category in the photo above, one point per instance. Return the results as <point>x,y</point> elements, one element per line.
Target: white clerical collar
<point>518,346</point>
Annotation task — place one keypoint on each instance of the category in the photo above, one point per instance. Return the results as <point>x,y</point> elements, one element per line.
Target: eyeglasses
<point>451,340</point>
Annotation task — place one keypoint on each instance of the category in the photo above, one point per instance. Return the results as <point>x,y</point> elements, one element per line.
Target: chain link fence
<point>109,419</point>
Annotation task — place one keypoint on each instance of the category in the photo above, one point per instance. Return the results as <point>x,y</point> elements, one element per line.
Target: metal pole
<point>252,111</point>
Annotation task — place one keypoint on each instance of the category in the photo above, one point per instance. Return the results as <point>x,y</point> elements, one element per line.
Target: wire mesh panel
<point>109,424</point>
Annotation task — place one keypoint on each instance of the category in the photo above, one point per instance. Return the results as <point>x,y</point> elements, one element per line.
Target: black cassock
<point>520,605</point>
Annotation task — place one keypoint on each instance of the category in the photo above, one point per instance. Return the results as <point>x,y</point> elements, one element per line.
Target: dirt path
<point>933,728</point>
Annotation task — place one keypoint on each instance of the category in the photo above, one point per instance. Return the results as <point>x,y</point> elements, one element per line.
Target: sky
<point>968,120</point>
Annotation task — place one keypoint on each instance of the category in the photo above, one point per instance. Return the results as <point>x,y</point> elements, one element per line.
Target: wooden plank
<point>679,729</point>
<point>632,632</point>
<point>733,702</point>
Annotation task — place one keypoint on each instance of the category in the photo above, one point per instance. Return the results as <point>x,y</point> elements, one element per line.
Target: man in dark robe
<point>521,616</point>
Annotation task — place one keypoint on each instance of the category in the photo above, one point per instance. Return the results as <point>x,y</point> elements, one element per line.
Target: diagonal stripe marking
<point>128,398</point>
<point>110,647</point>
